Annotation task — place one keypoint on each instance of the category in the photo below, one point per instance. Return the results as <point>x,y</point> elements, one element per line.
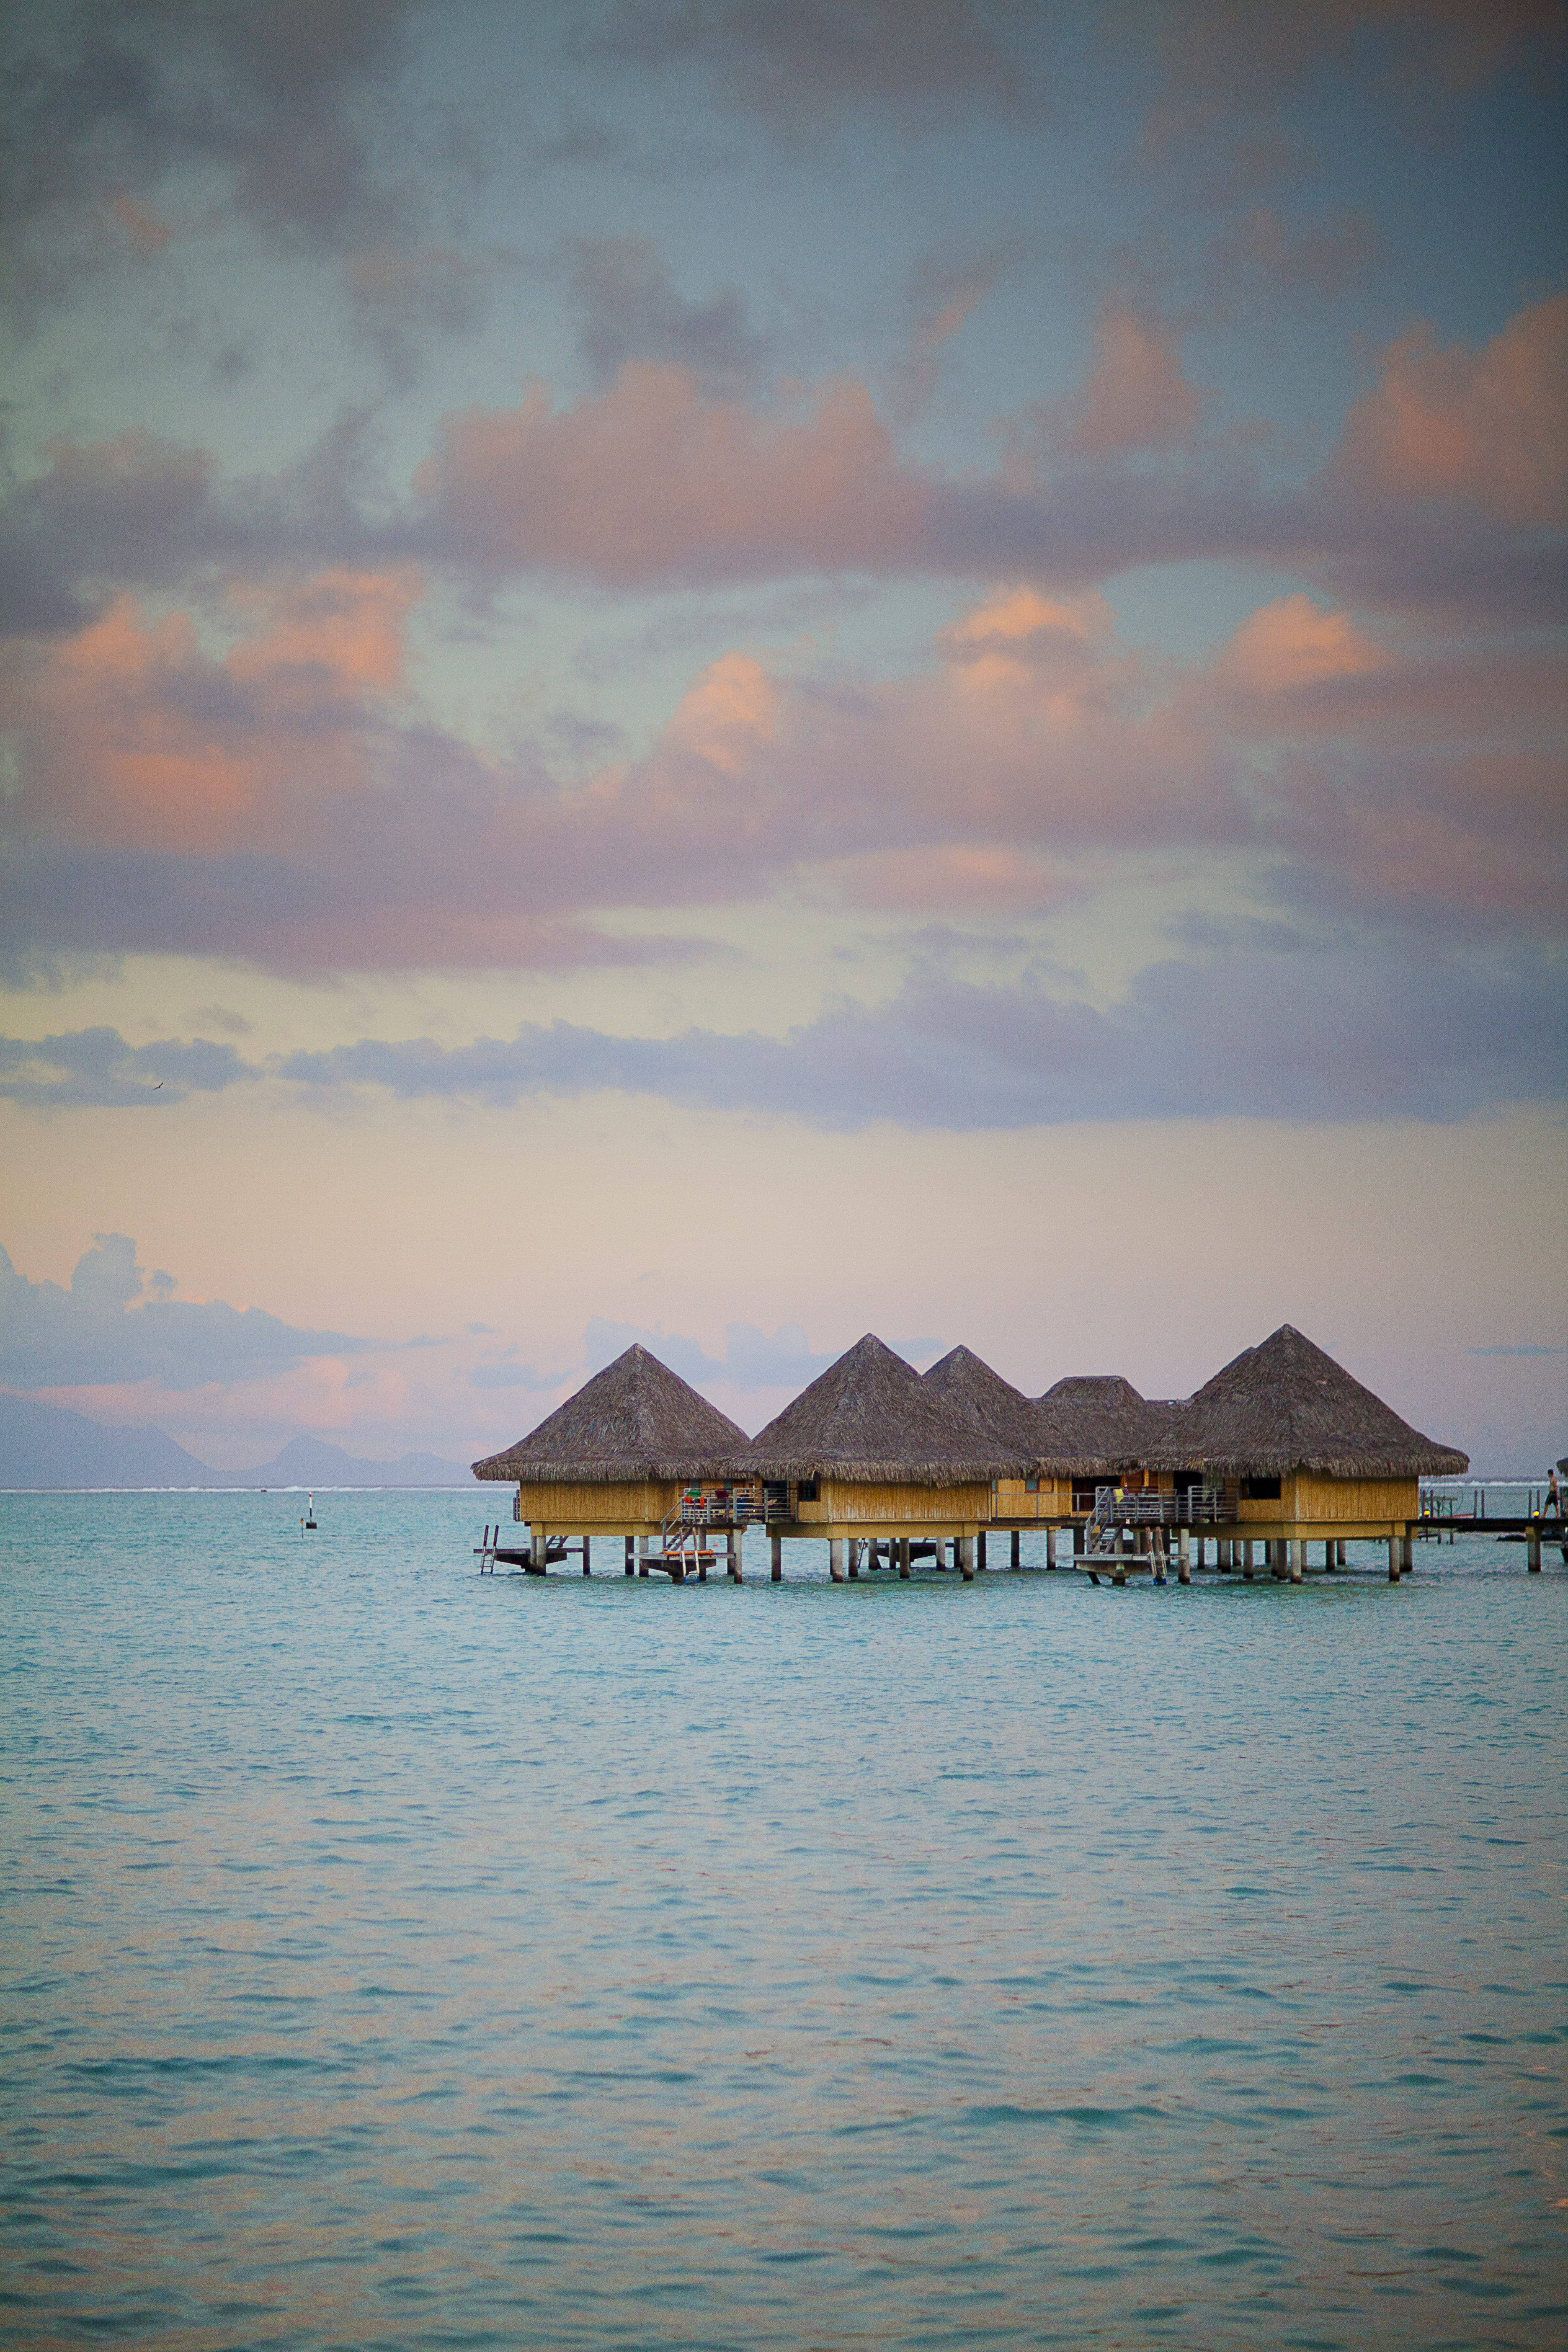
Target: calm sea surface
<point>399,1958</point>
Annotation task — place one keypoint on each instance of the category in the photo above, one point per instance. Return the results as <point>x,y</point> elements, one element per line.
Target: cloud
<point>1333,1032</point>
<point>1135,396</point>
<point>401,299</point>
<point>104,1330</point>
<point>631,310</point>
<point>796,63</point>
<point>1525,1347</point>
<point>96,1067</point>
<point>288,800</point>
<point>1489,426</point>
<point>1266,1021</point>
<point>108,104</point>
<point>655,480</point>
<point>667,477</point>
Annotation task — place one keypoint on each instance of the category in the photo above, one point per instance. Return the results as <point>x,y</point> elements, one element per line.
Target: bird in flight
<point>155,1088</point>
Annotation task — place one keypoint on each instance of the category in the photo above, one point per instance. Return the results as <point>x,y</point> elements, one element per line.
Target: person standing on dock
<point>1553,1507</point>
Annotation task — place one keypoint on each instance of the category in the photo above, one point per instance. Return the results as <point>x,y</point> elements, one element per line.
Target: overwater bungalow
<point>615,1460</point>
<point>1007,1418</point>
<point>868,1456</point>
<point>1300,1451</point>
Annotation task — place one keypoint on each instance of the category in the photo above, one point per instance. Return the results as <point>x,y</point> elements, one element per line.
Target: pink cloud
<point>138,736</point>
<point>1135,395</point>
<point>654,478</point>
<point>1489,425</point>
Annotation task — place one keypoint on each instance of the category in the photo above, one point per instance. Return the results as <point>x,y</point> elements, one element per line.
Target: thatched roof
<point>636,1418</point>
<point>1095,1422</point>
<point>871,1418</point>
<point>993,1406</point>
<point>1284,1405</point>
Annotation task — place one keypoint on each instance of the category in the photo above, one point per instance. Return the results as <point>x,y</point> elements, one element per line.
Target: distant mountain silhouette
<point>44,1446</point>
<point>47,1445</point>
<point>312,1462</point>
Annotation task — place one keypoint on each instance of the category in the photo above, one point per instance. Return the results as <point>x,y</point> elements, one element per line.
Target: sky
<point>733,671</point>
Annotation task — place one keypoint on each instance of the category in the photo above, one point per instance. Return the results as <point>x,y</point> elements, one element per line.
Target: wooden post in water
<point>1392,1556</point>
<point>1050,1547</point>
<point>1532,1548</point>
<point>1296,1552</point>
<point>835,1559</point>
<point>732,1545</point>
<point>642,1555</point>
<point>631,1557</point>
<point>1183,1556</point>
<point>965,1547</point>
<point>1407,1553</point>
<point>536,1551</point>
<point>775,1542</point>
<point>904,1559</point>
<point>980,1550</point>
<point>1016,1548</point>
<point>853,1548</point>
<point>586,1569</point>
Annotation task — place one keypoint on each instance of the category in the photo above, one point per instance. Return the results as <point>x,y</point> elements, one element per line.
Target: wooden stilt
<point>642,1555</point>
<point>1296,1552</point>
<point>1393,1558</point>
<point>1532,1548</point>
<point>852,1548</point>
<point>835,1559</point>
<point>966,1548</point>
<point>732,1545</point>
<point>1050,1547</point>
<point>587,1569</point>
<point>1407,1553</point>
<point>904,1559</point>
<point>536,1551</point>
<point>980,1550</point>
<point>1016,1548</point>
<point>776,1544</point>
<point>631,1557</point>
<point>1183,1556</point>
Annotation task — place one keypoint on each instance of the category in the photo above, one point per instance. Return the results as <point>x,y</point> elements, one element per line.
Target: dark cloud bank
<point>1321,1034</point>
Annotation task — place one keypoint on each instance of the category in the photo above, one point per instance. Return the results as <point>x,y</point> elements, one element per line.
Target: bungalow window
<point>1031,1485</point>
<point>806,1492</point>
<point>1260,1490</point>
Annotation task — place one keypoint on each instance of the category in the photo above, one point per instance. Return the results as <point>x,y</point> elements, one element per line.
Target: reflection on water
<point>399,1958</point>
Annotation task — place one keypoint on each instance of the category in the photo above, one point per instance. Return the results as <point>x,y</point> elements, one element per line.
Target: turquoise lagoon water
<point>397,1957</point>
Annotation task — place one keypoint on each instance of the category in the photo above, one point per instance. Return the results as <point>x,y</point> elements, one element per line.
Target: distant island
<point>46,1446</point>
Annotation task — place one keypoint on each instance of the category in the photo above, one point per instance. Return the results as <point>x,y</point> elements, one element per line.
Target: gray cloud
<point>794,62</point>
<point>630,309</point>
<point>114,95</point>
<point>1267,1026</point>
<point>1334,1032</point>
<point>84,1067</point>
<point>106,1328</point>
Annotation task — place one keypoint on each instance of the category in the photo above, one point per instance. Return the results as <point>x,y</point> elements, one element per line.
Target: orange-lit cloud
<point>1135,395</point>
<point>138,737</point>
<point>1489,425</point>
<point>654,478</point>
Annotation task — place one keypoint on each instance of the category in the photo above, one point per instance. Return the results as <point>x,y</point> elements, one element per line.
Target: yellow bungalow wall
<point>638,1503</point>
<point>843,1502</point>
<point>1011,1499</point>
